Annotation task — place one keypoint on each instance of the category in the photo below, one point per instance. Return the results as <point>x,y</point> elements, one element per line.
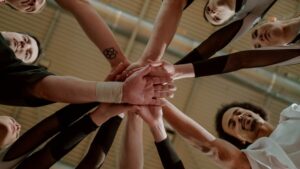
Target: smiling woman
<point>276,32</point>
<point>26,47</point>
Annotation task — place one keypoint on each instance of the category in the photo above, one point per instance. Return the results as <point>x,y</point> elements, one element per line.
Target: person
<point>25,46</point>
<point>25,6</point>
<point>71,132</point>
<point>276,32</point>
<point>269,147</point>
<point>197,62</point>
<point>153,116</point>
<point>65,123</point>
<point>29,85</point>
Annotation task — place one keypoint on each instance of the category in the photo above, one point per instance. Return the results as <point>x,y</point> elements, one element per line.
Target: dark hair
<point>219,116</point>
<point>40,50</point>
<point>204,16</point>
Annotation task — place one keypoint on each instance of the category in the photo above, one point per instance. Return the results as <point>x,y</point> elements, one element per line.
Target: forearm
<point>65,89</point>
<point>187,127</point>
<point>96,29</point>
<point>164,29</point>
<point>168,156</point>
<point>132,148</point>
<point>101,144</point>
<point>74,90</point>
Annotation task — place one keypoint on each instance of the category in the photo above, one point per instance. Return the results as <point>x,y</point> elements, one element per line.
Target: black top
<point>17,77</point>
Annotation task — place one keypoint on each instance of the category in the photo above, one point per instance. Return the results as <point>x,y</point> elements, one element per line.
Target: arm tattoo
<point>110,53</point>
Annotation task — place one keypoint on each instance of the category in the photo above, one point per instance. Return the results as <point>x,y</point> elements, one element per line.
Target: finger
<point>160,94</point>
<point>119,69</point>
<point>160,80</point>
<point>144,71</point>
<point>155,102</point>
<point>168,87</point>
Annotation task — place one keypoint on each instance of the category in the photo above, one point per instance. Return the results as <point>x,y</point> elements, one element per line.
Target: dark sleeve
<point>60,145</point>
<point>213,43</point>
<point>168,156</point>
<point>16,78</point>
<point>101,144</point>
<point>46,129</point>
<point>245,59</point>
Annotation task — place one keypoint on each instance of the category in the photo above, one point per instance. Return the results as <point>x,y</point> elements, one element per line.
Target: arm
<point>164,29</point>
<point>221,152</point>
<point>74,90</point>
<point>95,28</point>
<point>153,116</point>
<point>66,140</point>
<point>209,47</point>
<point>132,156</point>
<point>101,144</point>
<point>235,61</point>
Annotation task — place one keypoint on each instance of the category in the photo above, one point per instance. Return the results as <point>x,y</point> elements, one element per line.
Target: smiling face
<point>24,46</point>
<point>218,13</point>
<point>269,34</point>
<point>27,6</point>
<point>9,130</point>
<point>242,124</point>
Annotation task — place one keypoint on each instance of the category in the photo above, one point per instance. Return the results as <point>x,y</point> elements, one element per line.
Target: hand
<point>163,69</point>
<point>112,76</point>
<point>152,115</point>
<point>142,90</point>
<point>129,71</point>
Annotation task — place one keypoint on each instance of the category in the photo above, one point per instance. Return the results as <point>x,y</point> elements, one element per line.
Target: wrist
<point>184,71</point>
<point>158,131</point>
<point>110,92</point>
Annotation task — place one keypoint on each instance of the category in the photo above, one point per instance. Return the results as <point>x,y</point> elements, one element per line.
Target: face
<point>24,46</point>
<point>218,13</point>
<point>27,6</point>
<point>242,124</point>
<point>269,34</point>
<point>9,130</point>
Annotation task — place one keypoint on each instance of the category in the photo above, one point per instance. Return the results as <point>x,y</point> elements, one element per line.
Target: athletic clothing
<point>248,14</point>
<point>296,39</point>
<point>101,144</point>
<point>168,156</point>
<point>70,135</point>
<point>281,149</point>
<point>16,78</point>
<point>274,56</point>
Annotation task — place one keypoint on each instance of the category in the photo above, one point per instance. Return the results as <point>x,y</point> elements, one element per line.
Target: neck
<point>292,28</point>
<point>230,3</point>
<point>265,130</point>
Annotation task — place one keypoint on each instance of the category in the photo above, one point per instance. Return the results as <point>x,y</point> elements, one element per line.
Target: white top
<point>251,12</point>
<point>281,150</point>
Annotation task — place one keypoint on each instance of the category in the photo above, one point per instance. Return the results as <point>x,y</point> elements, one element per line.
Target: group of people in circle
<point>246,138</point>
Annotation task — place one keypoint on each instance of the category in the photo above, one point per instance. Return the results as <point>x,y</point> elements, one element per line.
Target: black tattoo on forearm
<point>110,53</point>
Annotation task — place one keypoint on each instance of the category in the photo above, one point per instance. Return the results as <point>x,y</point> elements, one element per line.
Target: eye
<point>208,9</point>
<point>254,34</point>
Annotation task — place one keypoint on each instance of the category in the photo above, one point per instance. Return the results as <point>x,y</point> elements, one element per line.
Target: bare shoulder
<point>228,156</point>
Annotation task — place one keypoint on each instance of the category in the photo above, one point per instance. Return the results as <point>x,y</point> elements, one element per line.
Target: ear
<point>272,18</point>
